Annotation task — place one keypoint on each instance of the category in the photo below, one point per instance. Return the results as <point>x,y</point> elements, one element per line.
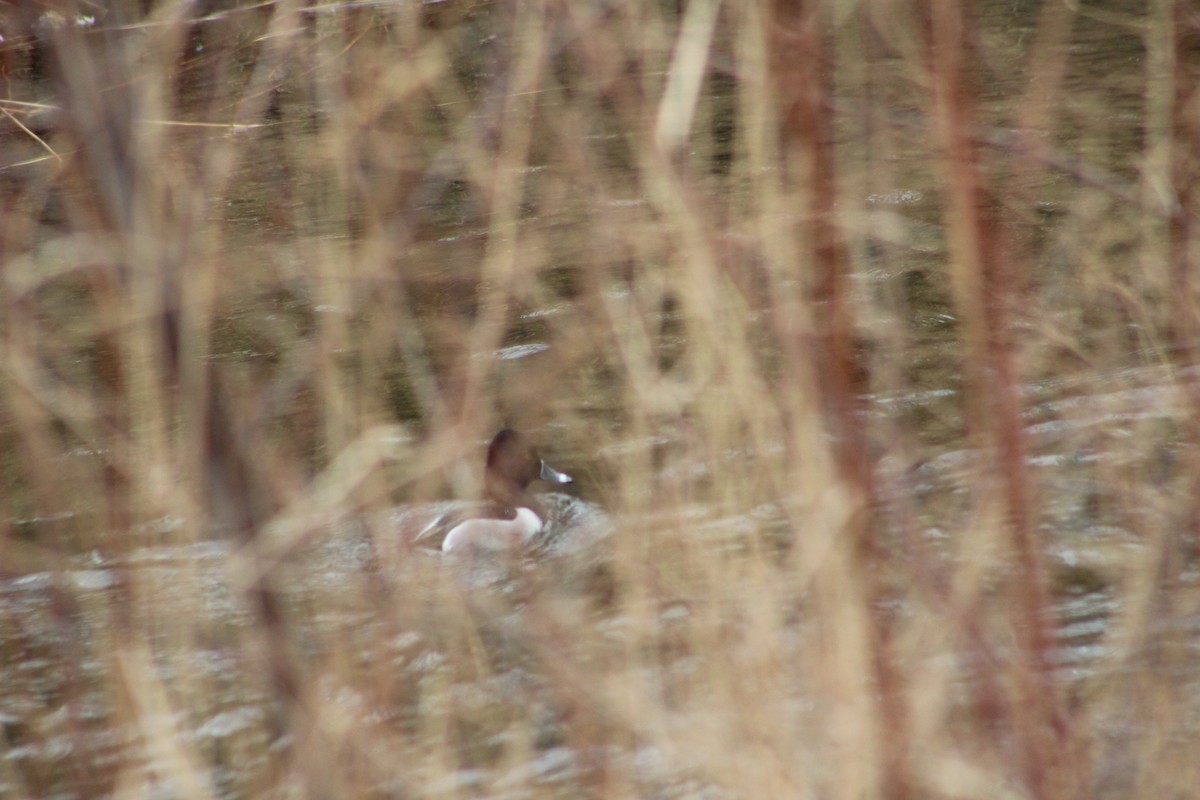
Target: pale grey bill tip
<point>552,475</point>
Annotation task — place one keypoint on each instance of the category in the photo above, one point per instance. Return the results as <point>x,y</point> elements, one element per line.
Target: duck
<point>512,517</point>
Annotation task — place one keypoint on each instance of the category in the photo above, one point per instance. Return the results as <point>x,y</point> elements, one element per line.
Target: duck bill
<point>551,475</point>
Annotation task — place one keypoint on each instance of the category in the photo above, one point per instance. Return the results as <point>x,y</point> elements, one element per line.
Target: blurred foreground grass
<point>872,328</point>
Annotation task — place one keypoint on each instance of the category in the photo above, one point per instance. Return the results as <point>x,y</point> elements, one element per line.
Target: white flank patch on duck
<point>493,534</point>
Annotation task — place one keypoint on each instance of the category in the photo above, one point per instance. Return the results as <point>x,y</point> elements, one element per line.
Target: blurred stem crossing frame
<point>988,274</point>
<point>802,79</point>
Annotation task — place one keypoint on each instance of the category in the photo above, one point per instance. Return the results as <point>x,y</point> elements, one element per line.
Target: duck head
<point>512,464</point>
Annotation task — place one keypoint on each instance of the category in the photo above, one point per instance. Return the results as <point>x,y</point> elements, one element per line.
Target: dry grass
<point>872,329</point>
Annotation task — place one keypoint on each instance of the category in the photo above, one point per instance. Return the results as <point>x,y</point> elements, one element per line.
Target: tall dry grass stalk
<point>871,327</point>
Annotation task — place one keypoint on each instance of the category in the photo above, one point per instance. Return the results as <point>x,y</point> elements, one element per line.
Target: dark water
<point>65,642</point>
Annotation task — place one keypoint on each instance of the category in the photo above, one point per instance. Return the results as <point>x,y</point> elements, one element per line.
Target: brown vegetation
<point>872,328</point>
